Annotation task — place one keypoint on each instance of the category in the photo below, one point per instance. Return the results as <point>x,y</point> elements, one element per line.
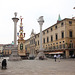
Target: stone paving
<point>40,67</point>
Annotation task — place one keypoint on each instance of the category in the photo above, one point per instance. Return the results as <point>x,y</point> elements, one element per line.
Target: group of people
<point>55,57</point>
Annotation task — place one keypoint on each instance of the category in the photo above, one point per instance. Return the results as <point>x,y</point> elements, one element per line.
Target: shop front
<point>51,54</point>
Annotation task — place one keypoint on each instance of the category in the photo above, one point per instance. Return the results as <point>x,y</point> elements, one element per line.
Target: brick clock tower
<point>21,41</point>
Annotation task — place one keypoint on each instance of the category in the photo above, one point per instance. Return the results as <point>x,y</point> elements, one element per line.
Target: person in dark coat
<point>4,64</point>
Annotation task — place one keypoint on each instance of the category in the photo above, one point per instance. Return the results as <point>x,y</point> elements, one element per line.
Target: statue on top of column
<point>15,14</point>
<point>21,19</point>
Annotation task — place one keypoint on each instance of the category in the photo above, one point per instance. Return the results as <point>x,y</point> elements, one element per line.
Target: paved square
<point>40,67</point>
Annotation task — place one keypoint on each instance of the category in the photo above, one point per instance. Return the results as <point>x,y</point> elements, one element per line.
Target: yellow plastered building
<point>56,39</point>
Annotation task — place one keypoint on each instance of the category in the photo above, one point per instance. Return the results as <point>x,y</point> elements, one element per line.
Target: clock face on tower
<point>21,46</point>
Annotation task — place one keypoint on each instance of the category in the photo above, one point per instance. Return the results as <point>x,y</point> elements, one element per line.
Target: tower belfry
<point>21,41</point>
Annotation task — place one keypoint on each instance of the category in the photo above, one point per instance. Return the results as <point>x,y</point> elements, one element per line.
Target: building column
<point>67,53</point>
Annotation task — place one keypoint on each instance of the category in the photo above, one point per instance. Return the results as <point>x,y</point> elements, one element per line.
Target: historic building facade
<point>57,39</point>
<point>7,49</point>
<point>1,49</point>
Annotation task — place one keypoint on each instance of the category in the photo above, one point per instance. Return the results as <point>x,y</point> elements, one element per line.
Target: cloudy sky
<point>30,10</point>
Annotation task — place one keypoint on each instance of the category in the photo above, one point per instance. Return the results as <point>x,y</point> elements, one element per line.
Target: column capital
<point>15,19</point>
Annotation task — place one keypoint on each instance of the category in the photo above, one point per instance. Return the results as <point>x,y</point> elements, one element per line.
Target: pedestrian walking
<point>59,57</point>
<point>55,57</point>
<point>4,64</point>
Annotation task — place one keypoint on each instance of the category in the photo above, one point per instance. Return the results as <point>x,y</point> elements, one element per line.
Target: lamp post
<point>41,53</point>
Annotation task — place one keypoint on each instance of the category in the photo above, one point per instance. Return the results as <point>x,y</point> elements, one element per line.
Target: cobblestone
<point>40,67</point>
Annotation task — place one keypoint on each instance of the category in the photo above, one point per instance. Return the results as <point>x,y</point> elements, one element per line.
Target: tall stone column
<point>14,56</point>
<point>41,53</point>
<point>15,20</point>
<point>41,37</point>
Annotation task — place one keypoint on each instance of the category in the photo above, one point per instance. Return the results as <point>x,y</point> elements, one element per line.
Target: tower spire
<point>59,18</point>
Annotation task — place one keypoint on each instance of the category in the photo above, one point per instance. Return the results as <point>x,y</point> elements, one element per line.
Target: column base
<point>14,56</point>
<point>41,56</point>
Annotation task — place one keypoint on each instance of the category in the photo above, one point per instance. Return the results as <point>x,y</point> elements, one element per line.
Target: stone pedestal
<point>14,56</point>
<point>41,54</point>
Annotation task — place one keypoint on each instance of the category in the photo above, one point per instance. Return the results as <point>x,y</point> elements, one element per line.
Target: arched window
<point>47,39</point>
<point>43,40</point>
<point>56,36</point>
<point>62,34</point>
<point>38,42</point>
<point>51,38</point>
<point>70,34</point>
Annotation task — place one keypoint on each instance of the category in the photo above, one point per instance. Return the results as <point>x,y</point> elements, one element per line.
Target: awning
<point>54,53</point>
